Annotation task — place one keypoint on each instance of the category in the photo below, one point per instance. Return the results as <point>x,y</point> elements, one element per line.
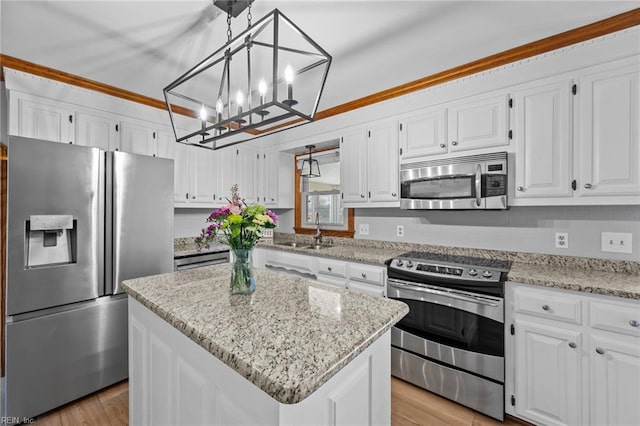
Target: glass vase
<point>242,279</point>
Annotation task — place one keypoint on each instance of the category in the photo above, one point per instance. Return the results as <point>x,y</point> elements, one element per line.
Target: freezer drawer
<point>61,356</point>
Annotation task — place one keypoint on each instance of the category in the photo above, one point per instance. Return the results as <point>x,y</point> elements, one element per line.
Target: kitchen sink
<point>317,246</point>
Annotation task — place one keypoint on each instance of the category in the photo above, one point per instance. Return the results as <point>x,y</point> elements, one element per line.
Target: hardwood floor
<point>410,406</point>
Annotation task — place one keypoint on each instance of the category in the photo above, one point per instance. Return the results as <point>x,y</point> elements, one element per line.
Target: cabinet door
<point>44,120</point>
<point>608,133</point>
<point>269,178</point>
<point>480,122</point>
<point>166,143</point>
<point>246,173</point>
<point>383,162</point>
<point>615,384</point>
<point>224,174</point>
<point>137,138</point>
<point>424,133</point>
<point>353,167</point>
<point>547,373</point>
<point>201,172</point>
<point>181,176</point>
<point>543,140</point>
<point>97,131</point>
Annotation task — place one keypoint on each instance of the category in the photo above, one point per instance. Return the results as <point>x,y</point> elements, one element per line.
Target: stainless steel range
<point>452,341</point>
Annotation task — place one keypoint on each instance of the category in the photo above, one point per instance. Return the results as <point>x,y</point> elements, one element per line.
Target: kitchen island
<point>294,352</point>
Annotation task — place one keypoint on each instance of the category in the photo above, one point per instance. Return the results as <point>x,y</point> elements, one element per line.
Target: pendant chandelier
<point>310,167</point>
<point>267,79</point>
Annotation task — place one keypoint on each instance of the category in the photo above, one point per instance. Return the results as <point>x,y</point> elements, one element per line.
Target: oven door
<point>453,186</point>
<point>459,328</point>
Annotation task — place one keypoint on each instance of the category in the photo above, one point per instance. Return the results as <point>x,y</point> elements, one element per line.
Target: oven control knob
<point>409,264</point>
<point>487,274</point>
<point>473,272</point>
<point>399,262</point>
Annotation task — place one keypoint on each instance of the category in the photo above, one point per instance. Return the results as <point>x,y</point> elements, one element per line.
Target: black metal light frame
<point>257,124</point>
<point>313,164</point>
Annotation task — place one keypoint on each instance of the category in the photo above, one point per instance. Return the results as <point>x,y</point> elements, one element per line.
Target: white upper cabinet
<point>608,132</point>
<point>224,174</point>
<point>201,173</point>
<point>181,177</point>
<point>369,166</point>
<point>268,178</point>
<point>353,166</point>
<point>246,172</point>
<point>478,122</point>
<point>97,130</point>
<point>166,143</point>
<point>423,133</point>
<point>542,133</point>
<point>40,118</point>
<point>137,138</point>
<point>383,166</point>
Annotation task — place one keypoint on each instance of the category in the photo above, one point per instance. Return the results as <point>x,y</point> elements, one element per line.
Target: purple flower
<point>273,216</point>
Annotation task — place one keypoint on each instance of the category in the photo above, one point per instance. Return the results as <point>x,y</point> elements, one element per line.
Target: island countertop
<point>288,338</point>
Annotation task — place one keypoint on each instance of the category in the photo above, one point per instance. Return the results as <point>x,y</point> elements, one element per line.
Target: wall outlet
<point>400,231</point>
<point>616,242</point>
<point>562,240</point>
<point>363,229</point>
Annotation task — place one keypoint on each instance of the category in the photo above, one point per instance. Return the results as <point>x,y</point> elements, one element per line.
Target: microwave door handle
<point>451,294</point>
<point>478,184</point>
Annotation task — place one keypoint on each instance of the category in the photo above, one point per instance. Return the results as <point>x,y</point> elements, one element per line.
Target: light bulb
<point>239,98</point>
<point>288,74</point>
<point>219,106</point>
<point>203,113</point>
<point>262,87</point>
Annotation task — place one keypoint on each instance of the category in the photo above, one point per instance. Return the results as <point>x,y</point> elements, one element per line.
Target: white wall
<point>189,222</point>
<point>526,229</point>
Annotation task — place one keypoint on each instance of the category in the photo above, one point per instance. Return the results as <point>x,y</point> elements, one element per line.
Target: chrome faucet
<point>318,235</point>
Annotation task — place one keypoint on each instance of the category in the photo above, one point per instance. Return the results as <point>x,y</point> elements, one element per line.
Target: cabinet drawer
<point>301,264</point>
<point>372,289</point>
<point>548,304</point>
<point>366,274</point>
<point>331,267</point>
<point>621,318</point>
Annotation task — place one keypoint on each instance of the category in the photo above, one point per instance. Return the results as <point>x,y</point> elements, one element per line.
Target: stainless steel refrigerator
<point>79,221</point>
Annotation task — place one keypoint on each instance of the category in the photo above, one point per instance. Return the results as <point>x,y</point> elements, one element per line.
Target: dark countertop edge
<point>288,395</point>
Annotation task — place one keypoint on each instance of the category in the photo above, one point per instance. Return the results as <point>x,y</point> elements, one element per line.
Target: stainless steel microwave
<point>462,183</point>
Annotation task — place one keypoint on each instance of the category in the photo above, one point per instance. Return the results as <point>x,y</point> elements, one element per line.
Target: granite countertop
<point>599,276</point>
<point>288,338</point>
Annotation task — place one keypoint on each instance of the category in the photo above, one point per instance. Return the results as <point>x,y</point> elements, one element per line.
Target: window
<point>319,199</point>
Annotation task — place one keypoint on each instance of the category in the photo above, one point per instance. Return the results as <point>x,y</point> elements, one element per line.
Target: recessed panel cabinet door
<point>383,162</point>
<point>424,133</point>
<point>137,139</point>
<point>479,122</point>
<point>543,140</point>
<point>615,383</point>
<point>608,132</point>
<point>97,131</point>
<point>353,167</point>
<point>42,120</point>
<point>181,178</point>
<point>201,171</point>
<point>548,382</point>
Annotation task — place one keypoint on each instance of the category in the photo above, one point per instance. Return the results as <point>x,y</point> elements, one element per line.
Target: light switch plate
<point>616,242</point>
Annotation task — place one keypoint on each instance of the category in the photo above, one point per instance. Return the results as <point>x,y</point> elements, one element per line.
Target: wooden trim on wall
<point>3,248</point>
<point>297,209</point>
<point>587,32</point>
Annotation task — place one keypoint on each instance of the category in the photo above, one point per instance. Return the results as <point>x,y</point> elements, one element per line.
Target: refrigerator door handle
<point>108,223</point>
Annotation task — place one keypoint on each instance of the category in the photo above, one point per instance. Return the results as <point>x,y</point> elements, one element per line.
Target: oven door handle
<point>478,184</point>
<point>450,293</point>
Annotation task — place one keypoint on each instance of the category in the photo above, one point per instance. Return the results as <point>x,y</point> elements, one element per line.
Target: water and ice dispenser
<point>50,240</point>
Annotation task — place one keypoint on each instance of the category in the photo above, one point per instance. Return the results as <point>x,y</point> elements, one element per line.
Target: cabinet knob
<point>329,268</point>
<point>588,186</point>
<point>599,351</point>
<point>520,188</point>
<point>545,307</point>
<point>634,323</point>
<point>273,199</point>
<point>454,143</point>
<point>364,275</point>
<point>393,194</point>
<point>572,345</point>
<point>193,197</point>
<point>443,145</point>
<point>361,195</point>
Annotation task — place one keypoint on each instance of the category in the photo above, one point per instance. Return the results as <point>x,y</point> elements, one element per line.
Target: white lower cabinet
<point>355,276</point>
<point>571,358</point>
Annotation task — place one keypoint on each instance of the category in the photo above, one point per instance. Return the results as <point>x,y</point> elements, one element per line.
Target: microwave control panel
<point>496,179</point>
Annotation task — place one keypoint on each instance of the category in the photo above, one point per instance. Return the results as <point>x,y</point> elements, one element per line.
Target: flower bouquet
<point>239,226</point>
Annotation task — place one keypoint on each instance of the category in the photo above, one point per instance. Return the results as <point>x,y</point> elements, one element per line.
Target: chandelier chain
<point>229,23</point>
<point>249,15</point>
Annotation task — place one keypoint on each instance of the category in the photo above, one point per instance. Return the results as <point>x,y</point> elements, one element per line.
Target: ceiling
<point>142,46</point>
